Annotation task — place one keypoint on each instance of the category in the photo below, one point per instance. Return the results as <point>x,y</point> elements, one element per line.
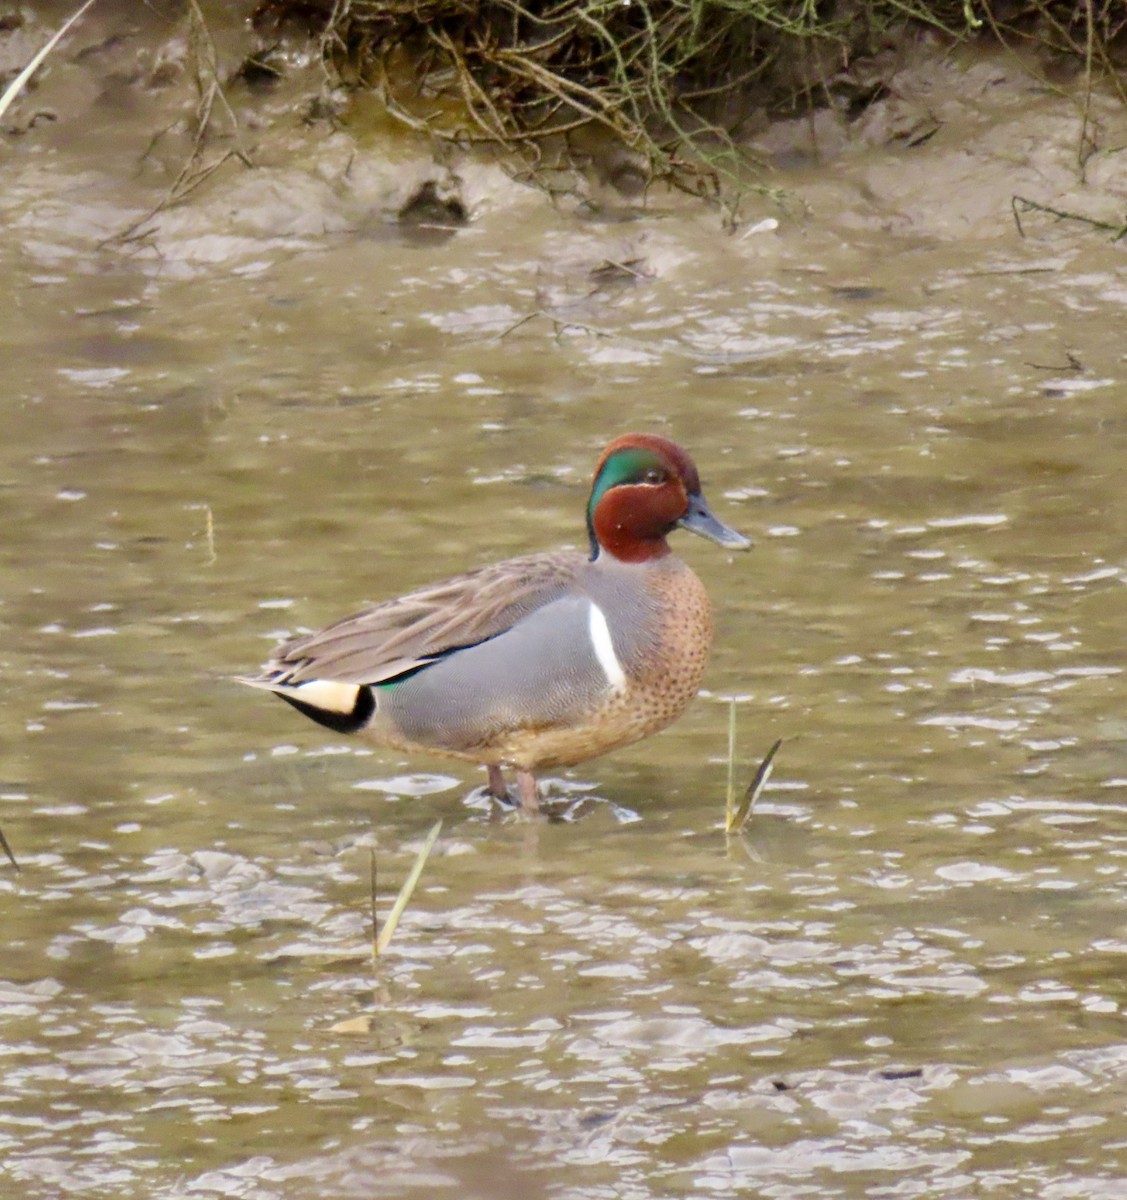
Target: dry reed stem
<point>20,82</point>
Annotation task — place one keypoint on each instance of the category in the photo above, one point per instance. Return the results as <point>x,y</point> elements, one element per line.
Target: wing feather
<point>402,635</point>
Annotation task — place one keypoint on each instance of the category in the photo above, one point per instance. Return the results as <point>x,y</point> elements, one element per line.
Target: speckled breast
<point>663,646</point>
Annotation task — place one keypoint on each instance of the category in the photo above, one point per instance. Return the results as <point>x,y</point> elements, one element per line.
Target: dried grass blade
<point>404,897</point>
<point>743,810</point>
<point>17,85</point>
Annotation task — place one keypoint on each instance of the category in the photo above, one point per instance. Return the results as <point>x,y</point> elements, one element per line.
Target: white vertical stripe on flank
<point>604,649</point>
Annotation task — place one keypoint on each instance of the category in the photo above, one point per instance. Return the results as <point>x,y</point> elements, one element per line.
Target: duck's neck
<point>628,549</point>
<point>629,526</point>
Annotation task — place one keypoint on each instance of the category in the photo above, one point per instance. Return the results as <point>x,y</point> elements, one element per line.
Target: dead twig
<point>192,174</point>
<point>1020,204</point>
<point>183,185</point>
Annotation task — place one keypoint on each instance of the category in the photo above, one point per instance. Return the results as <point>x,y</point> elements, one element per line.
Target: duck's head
<point>645,487</point>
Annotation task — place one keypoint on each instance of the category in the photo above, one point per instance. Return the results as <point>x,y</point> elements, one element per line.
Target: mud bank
<point>145,135</point>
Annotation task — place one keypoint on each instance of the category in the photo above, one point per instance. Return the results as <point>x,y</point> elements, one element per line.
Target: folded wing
<point>401,636</point>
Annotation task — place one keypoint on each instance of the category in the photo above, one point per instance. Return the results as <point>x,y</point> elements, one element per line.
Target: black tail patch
<point>351,722</point>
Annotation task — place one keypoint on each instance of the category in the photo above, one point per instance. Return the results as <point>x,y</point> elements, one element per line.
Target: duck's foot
<point>528,792</point>
<point>528,795</point>
<point>496,786</point>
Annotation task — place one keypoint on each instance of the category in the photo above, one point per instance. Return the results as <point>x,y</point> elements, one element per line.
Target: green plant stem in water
<point>404,897</point>
<point>8,850</point>
<point>739,817</point>
<point>730,799</point>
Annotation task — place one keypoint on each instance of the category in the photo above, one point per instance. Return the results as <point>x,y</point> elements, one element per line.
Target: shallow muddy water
<point>908,979</point>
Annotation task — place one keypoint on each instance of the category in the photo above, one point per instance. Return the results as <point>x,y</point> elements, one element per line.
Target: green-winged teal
<point>540,661</point>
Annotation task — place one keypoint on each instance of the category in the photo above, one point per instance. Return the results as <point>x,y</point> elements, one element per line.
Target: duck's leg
<point>528,792</point>
<point>496,787</point>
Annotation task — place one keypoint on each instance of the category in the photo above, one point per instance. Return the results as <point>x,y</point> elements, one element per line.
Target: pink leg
<point>497,787</point>
<point>528,792</point>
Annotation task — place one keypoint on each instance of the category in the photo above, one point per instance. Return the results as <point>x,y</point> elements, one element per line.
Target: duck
<point>536,662</point>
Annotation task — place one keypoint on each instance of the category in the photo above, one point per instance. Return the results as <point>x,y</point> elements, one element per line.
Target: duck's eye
<point>655,475</point>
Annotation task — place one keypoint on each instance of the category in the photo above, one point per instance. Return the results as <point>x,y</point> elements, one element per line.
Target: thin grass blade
<point>744,809</point>
<point>17,85</point>
<point>730,800</point>
<point>373,893</point>
<point>8,850</point>
<point>404,897</point>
